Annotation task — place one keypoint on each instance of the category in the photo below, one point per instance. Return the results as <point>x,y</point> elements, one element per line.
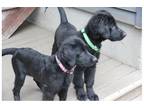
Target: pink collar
<point>63,68</point>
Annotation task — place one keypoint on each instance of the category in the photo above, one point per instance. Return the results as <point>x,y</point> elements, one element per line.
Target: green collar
<point>91,45</point>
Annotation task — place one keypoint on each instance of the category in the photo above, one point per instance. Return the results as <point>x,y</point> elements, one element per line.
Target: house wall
<point>128,51</point>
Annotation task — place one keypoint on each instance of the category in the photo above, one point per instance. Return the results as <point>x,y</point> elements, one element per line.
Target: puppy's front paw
<point>17,98</point>
<point>81,95</point>
<point>91,95</point>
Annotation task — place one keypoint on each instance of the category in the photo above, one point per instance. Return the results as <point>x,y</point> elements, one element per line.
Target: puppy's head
<point>74,52</point>
<point>103,26</point>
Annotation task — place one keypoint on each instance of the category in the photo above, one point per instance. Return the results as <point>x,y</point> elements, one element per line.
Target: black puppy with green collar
<point>52,74</point>
<point>101,26</point>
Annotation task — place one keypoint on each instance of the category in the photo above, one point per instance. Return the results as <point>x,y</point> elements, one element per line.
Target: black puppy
<point>53,74</point>
<point>100,27</point>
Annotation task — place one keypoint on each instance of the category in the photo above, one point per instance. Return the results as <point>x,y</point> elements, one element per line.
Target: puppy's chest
<point>58,77</point>
<point>58,81</point>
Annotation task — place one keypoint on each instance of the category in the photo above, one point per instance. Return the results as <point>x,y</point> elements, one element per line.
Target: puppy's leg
<point>20,74</point>
<point>79,83</point>
<point>63,94</point>
<point>89,76</point>
<point>47,95</point>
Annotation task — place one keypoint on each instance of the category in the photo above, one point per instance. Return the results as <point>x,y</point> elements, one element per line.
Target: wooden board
<point>13,18</point>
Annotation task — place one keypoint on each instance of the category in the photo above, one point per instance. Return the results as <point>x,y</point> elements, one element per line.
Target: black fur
<point>100,27</point>
<point>45,70</point>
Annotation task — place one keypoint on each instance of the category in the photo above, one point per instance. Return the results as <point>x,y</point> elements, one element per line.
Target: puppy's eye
<point>72,45</point>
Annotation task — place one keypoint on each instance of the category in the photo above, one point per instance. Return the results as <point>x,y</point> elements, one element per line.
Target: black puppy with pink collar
<point>52,74</point>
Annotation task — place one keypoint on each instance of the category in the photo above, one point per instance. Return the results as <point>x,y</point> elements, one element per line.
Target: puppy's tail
<point>8,51</point>
<point>62,15</point>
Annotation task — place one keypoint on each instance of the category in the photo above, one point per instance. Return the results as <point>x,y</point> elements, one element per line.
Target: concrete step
<point>134,95</point>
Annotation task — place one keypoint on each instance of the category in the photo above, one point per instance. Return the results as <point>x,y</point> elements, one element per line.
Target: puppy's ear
<point>69,55</point>
<point>104,31</point>
<point>100,25</point>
